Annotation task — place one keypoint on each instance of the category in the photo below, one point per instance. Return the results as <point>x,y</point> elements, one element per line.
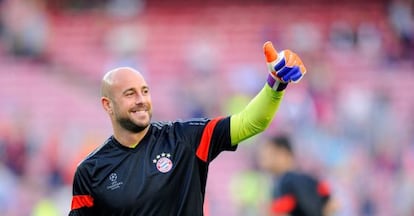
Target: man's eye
<point>129,94</point>
<point>145,91</point>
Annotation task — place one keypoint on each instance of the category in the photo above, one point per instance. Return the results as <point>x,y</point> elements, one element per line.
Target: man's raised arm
<point>284,67</point>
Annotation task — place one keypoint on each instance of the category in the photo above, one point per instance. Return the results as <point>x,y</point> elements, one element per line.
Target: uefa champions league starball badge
<point>163,162</point>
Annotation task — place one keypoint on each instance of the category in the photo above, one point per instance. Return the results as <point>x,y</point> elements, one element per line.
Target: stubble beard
<point>131,126</point>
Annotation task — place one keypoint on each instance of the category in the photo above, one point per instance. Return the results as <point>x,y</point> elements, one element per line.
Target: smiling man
<point>126,98</point>
<point>160,168</point>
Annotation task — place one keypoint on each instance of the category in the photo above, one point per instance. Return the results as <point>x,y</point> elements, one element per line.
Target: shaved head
<point>110,78</point>
<point>126,98</point>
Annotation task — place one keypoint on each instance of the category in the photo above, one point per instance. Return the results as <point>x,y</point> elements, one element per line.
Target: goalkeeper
<point>160,168</point>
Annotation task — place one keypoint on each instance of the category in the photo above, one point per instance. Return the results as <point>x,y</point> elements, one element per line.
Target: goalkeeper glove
<point>284,67</point>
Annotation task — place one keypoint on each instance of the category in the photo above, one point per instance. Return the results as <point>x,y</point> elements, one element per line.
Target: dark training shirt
<point>165,174</point>
<point>299,194</point>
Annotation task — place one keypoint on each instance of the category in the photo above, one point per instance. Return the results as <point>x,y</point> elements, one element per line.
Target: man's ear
<point>106,104</point>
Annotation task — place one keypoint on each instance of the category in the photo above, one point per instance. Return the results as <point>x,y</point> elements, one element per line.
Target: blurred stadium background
<point>352,115</point>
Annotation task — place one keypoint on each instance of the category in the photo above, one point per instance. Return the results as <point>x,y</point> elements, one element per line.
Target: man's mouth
<point>139,111</point>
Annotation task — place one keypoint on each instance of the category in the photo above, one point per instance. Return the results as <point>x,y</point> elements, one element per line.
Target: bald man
<point>160,168</point>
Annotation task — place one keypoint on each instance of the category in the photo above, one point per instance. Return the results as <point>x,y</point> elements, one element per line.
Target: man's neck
<point>129,139</point>
<point>288,168</point>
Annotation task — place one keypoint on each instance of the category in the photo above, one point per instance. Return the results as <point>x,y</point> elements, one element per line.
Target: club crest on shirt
<point>163,162</point>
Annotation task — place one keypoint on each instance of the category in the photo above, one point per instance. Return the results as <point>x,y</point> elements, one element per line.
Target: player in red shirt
<point>295,193</point>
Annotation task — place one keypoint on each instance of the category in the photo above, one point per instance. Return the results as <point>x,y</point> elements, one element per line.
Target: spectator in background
<point>125,43</point>
<point>25,28</point>
<point>202,63</point>
<point>295,193</point>
<point>369,40</point>
<point>1,19</point>
<point>305,37</point>
<point>401,19</point>
<point>15,149</point>
<point>249,192</point>
<point>342,36</point>
<point>125,8</point>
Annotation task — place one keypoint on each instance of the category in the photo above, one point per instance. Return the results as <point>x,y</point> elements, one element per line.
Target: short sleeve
<point>215,139</point>
<point>209,137</point>
<point>82,200</point>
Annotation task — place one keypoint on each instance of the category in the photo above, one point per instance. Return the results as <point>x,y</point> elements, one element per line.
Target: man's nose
<point>140,98</point>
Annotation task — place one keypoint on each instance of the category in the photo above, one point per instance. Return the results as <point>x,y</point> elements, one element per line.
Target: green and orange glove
<point>284,67</point>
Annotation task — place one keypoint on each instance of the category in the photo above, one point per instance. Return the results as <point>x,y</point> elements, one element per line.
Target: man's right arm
<point>82,200</point>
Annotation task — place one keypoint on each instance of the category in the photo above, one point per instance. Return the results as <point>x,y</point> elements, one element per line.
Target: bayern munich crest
<point>163,162</point>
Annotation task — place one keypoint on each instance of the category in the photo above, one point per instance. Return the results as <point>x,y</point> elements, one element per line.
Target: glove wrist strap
<point>275,83</point>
